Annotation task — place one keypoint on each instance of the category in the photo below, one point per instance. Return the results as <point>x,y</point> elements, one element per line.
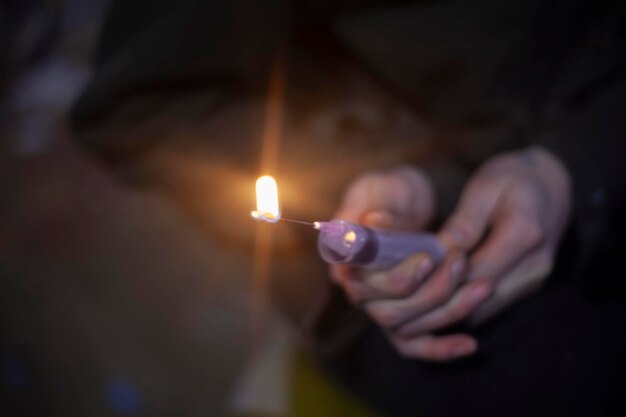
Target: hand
<point>510,219</point>
<point>398,198</point>
<point>502,239</point>
<point>401,199</point>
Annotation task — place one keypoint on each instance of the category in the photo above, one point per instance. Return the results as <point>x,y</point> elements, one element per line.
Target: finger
<point>435,291</point>
<point>462,304</point>
<point>393,193</point>
<point>526,277</point>
<point>401,281</point>
<point>511,239</point>
<point>345,277</point>
<point>374,191</point>
<point>340,273</point>
<point>348,279</point>
<point>435,348</point>
<point>469,222</point>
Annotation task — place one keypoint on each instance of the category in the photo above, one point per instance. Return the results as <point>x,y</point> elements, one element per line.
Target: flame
<point>266,200</point>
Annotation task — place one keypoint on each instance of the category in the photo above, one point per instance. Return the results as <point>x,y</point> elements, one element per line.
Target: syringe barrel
<point>342,242</point>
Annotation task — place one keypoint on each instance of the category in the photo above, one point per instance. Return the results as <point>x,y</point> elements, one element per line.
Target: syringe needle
<point>282,219</point>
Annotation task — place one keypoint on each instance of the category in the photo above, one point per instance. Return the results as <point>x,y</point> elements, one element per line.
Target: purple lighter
<point>342,242</point>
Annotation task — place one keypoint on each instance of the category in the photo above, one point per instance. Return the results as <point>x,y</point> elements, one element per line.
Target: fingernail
<point>424,267</point>
<point>377,218</point>
<point>458,266</point>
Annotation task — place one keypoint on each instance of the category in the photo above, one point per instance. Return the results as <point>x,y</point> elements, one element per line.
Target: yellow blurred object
<point>315,394</point>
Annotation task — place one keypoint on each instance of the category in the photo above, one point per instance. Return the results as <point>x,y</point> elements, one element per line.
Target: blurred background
<point>113,301</point>
<point>133,281</point>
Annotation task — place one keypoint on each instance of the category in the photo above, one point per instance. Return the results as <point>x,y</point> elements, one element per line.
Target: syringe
<point>342,242</point>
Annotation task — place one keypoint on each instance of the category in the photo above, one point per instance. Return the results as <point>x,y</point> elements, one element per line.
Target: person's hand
<point>501,241</point>
<point>510,220</point>
<point>402,199</point>
<point>399,198</point>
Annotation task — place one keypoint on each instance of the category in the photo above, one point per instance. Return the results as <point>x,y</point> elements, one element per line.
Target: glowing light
<point>266,200</point>
<point>350,236</point>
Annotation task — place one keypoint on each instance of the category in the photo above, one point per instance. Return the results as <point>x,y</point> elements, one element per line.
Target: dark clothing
<point>485,77</point>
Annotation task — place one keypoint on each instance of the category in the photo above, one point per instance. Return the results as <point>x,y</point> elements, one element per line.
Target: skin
<point>501,239</point>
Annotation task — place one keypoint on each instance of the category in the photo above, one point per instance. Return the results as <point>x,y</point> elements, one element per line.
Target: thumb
<point>399,199</point>
<point>469,222</point>
<point>379,219</point>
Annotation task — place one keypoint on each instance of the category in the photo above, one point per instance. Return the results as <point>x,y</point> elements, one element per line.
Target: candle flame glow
<point>266,200</point>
